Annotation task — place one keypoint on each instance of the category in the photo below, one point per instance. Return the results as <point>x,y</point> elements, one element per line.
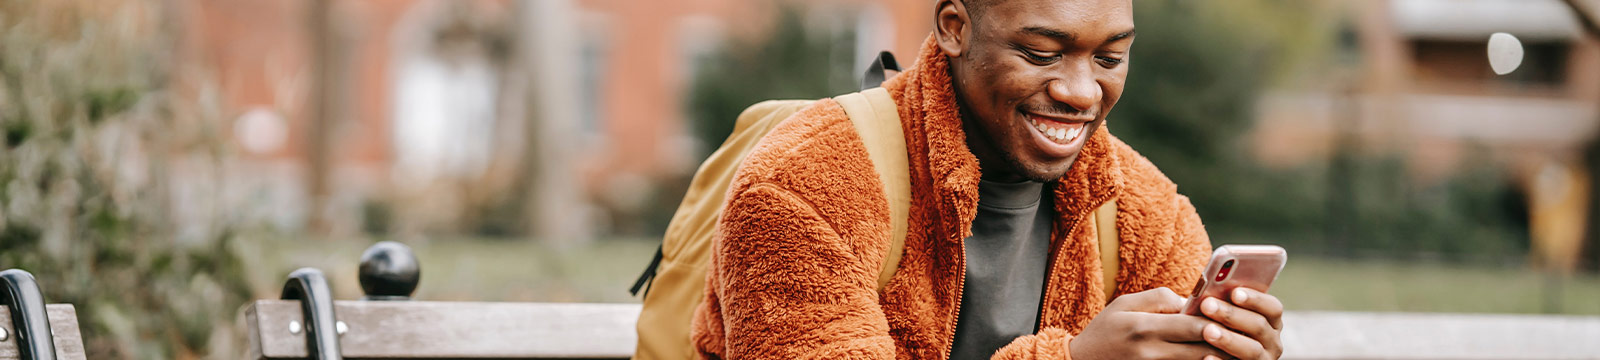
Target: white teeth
<point>1057,134</point>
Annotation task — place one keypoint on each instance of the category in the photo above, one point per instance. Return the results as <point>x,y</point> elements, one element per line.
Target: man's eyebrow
<point>1061,36</point>
<point>1058,35</point>
<point>1120,36</point>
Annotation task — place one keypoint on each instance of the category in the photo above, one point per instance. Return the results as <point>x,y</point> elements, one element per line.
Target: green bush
<point>86,193</point>
<point>793,62</point>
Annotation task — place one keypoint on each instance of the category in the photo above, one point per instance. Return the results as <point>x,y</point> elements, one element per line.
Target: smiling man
<point>1004,116</point>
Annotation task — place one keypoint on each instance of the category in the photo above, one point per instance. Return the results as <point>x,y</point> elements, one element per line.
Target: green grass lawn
<point>465,269</point>
<point>1373,285</point>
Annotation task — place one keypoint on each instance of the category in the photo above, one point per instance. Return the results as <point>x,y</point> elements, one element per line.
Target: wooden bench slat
<point>422,329</point>
<point>63,330</point>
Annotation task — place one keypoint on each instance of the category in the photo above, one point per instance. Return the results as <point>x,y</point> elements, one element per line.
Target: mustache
<point>1056,110</point>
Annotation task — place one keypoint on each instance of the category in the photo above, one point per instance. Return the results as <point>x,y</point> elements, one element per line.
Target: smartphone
<point>1234,266</point>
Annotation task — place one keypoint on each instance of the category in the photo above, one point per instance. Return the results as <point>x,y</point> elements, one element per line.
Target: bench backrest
<point>477,330</point>
<point>451,330</point>
<point>473,330</point>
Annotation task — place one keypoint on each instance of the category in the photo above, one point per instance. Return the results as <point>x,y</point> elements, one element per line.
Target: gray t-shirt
<point>1006,260</point>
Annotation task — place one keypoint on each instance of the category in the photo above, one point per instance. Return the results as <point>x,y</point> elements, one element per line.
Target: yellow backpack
<point>678,283</point>
<point>674,283</point>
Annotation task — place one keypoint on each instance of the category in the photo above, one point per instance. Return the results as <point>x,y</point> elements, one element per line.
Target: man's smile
<point>1058,136</point>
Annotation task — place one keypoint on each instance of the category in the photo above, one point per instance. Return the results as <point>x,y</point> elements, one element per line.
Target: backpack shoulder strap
<point>878,121</point>
<point>1105,223</point>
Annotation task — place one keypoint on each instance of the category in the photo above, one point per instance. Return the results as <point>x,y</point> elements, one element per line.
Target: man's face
<point>1036,78</point>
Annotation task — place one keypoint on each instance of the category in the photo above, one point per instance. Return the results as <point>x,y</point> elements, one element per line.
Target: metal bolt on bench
<point>316,303</point>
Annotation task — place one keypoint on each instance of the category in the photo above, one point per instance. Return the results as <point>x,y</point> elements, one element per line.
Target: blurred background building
<point>165,160</point>
<point>1425,90</point>
<point>455,101</point>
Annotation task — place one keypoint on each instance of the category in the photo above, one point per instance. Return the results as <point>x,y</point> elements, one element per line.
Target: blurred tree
<point>330,94</point>
<point>792,62</point>
<point>1196,70</point>
<point>86,188</point>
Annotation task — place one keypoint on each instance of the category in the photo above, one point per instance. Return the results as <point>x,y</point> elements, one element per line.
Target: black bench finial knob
<point>389,271</point>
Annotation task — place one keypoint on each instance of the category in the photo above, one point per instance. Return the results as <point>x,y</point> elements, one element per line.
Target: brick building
<point>430,104</point>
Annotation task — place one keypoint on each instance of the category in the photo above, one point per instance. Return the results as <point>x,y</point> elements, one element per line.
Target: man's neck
<point>991,162</point>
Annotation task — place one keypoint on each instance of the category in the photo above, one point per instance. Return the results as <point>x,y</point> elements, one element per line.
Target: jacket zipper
<point>961,286</point>
<point>1050,269</point>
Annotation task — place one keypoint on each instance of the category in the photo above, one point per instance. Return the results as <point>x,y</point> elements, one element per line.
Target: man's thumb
<point>1159,300</point>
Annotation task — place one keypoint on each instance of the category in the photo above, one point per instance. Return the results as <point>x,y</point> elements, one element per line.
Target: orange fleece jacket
<point>794,272</point>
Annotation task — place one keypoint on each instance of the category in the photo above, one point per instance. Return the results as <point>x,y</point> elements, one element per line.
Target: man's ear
<point>952,26</point>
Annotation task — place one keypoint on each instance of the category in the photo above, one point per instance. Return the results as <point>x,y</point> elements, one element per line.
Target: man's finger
<point>1233,343</point>
<point>1189,350</point>
<point>1158,300</point>
<point>1261,303</point>
<point>1173,327</point>
<point>1239,319</point>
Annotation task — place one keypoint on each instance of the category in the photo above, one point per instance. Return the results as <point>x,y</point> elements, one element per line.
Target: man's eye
<point>1108,62</point>
<point>1036,58</point>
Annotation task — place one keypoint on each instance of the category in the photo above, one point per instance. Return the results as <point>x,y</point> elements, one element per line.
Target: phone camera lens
<point>1226,268</point>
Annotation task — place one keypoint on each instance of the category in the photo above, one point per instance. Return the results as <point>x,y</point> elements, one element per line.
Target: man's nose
<point>1076,88</point>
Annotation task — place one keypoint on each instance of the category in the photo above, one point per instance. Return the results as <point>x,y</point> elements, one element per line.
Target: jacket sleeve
<point>1048,344</point>
<point>1191,249</point>
<point>783,284</point>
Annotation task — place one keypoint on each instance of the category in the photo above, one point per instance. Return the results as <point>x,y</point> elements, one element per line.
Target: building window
<point>1466,62</point>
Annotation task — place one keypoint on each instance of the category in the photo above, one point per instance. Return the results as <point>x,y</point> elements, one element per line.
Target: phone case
<point>1233,266</point>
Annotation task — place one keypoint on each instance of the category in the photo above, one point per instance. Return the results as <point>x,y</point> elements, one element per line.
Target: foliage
<point>793,62</point>
<point>87,191</point>
<point>1192,81</point>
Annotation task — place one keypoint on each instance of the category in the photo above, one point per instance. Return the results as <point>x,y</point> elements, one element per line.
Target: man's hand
<point>1252,322</point>
<point>1148,325</point>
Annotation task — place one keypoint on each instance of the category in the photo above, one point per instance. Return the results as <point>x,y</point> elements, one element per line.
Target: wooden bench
<point>307,324</point>
<point>451,330</point>
<point>376,329</point>
<point>605,331</point>
<point>31,329</point>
